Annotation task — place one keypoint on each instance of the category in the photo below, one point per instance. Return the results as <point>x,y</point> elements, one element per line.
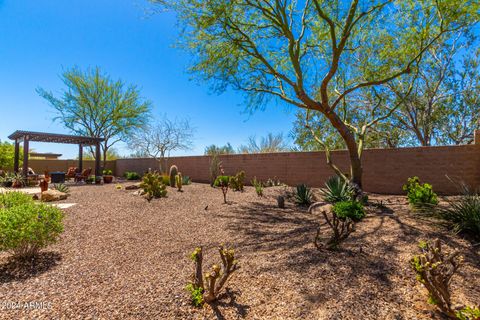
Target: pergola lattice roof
<point>54,137</point>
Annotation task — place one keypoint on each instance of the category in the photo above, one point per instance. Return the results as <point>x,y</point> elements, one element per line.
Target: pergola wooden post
<point>27,136</point>
<point>16,157</point>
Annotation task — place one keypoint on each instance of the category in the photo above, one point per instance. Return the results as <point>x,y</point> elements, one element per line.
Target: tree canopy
<point>316,54</point>
<point>92,104</point>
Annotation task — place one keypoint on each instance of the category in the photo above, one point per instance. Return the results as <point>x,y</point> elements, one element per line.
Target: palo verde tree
<point>95,105</point>
<point>292,50</point>
<point>270,143</point>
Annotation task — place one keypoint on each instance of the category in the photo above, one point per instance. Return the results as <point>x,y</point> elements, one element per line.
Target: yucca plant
<point>61,187</point>
<point>337,190</point>
<point>303,196</point>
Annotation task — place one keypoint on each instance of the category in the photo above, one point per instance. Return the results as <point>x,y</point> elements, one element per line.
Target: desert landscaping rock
<point>122,257</point>
<point>53,195</point>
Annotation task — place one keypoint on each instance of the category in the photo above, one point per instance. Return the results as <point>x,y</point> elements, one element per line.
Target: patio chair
<point>71,173</point>
<point>84,175</point>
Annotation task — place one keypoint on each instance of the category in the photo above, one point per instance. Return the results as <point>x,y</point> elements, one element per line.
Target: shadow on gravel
<point>20,270</point>
<point>241,310</point>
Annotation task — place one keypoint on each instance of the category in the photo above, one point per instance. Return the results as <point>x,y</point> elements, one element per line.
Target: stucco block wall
<point>39,166</point>
<point>385,170</point>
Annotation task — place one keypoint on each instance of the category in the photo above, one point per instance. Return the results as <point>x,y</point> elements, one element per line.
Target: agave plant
<point>337,190</point>
<point>303,196</point>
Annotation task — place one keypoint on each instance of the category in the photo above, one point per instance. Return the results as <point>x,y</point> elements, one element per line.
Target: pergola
<point>27,136</point>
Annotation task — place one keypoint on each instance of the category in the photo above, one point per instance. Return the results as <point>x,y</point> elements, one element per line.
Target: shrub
<point>349,209</point>
<point>11,199</point>
<point>107,172</point>
<point>434,270</point>
<point>464,214</point>
<point>215,169</point>
<point>179,181</point>
<point>341,228</point>
<point>468,313</point>
<point>258,186</point>
<point>28,227</point>
<point>61,187</point>
<point>303,196</point>
<point>165,178</point>
<point>420,195</point>
<point>223,182</point>
<point>206,288</point>
<point>336,190</point>
<point>131,175</point>
<point>173,173</point>
<point>237,182</point>
<point>186,180</point>
<point>153,186</point>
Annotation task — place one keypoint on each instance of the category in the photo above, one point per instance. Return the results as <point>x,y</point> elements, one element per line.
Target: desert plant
<point>186,180</point>
<point>434,270</point>
<point>258,186</point>
<point>131,175</point>
<point>206,288</point>
<point>420,196</point>
<point>275,182</point>
<point>336,190</point>
<point>27,227</point>
<point>61,187</point>
<point>215,169</point>
<point>349,209</point>
<point>179,181</point>
<point>468,313</point>
<point>18,180</point>
<point>237,182</point>
<point>172,174</point>
<point>107,172</point>
<point>153,186</point>
<point>11,199</point>
<point>341,228</point>
<point>223,182</point>
<point>165,178</point>
<point>464,214</point>
<point>303,195</point>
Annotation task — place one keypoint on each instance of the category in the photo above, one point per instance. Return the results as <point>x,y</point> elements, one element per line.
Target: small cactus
<point>179,181</point>
<point>173,174</point>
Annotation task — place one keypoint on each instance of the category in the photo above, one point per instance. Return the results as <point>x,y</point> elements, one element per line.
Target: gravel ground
<point>122,257</point>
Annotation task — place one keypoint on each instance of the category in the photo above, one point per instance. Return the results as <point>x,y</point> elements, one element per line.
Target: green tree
<point>7,155</point>
<point>112,154</point>
<point>269,143</point>
<point>215,150</point>
<point>95,105</point>
<point>293,50</point>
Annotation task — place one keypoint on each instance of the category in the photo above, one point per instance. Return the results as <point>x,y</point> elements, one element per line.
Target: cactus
<point>152,186</point>
<point>341,226</point>
<point>213,282</point>
<point>179,181</point>
<point>173,174</point>
<point>434,270</point>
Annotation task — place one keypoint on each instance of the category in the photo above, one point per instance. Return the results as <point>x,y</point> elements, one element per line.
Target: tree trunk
<point>356,170</point>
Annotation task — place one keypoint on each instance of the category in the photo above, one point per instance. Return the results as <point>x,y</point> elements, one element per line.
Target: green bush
<point>464,214</point>
<point>303,196</point>
<point>12,199</point>
<point>223,182</point>
<point>336,190</point>
<point>107,172</point>
<point>27,227</point>
<point>349,209</point>
<point>237,182</point>
<point>420,195</point>
<point>153,186</point>
<point>131,175</point>
<point>165,179</point>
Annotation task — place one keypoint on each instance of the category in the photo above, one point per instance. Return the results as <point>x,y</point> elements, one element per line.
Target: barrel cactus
<point>173,174</point>
<point>179,181</point>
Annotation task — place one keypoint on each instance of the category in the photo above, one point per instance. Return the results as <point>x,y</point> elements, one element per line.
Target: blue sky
<point>39,39</point>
